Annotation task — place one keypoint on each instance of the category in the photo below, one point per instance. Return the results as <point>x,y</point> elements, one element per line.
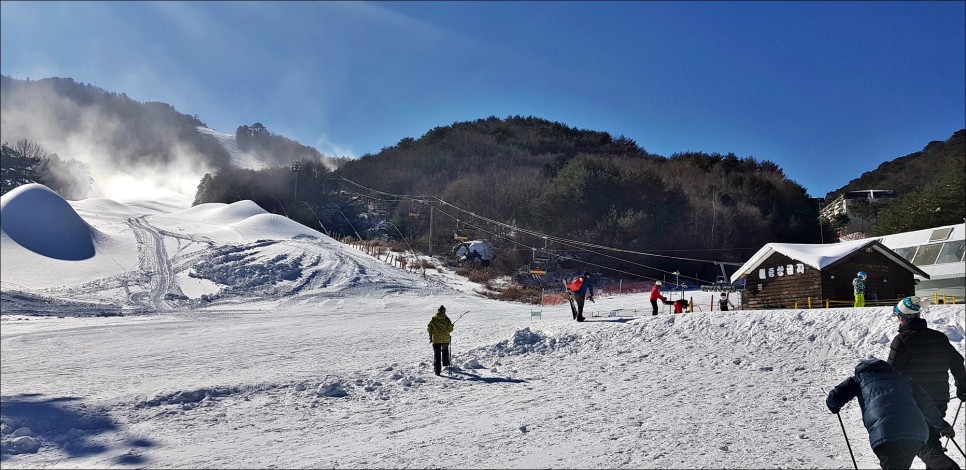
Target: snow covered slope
<point>155,258</point>
<point>347,382</point>
<point>260,343</point>
<point>239,158</point>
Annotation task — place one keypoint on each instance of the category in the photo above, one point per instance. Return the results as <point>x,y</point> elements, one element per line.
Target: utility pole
<point>430,230</point>
<point>317,217</point>
<point>296,168</point>
<point>677,280</point>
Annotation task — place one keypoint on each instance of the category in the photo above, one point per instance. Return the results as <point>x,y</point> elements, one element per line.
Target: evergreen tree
<point>17,169</point>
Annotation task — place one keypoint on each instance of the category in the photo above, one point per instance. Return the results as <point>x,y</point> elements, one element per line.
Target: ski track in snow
<point>718,390</point>
<point>314,354</point>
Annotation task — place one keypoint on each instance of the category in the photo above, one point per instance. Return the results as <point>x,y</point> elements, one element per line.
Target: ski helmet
<point>658,283</point>
<point>442,309</point>
<point>863,274</point>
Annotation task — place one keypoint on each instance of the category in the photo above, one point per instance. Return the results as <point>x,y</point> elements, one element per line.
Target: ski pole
<point>946,447</point>
<point>461,316</point>
<point>847,441</point>
<point>960,448</point>
<point>450,367</point>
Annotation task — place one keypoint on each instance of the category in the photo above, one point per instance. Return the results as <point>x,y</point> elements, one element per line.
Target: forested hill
<point>912,172</point>
<point>590,186</point>
<point>59,116</point>
<point>930,185</point>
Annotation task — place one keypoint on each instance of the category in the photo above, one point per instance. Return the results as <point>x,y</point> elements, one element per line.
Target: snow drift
<point>41,221</point>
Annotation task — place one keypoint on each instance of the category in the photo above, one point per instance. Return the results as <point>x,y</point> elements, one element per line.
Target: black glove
<point>834,410</point>
<point>947,431</point>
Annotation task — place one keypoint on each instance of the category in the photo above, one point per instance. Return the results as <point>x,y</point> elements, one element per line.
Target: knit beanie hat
<point>910,306</point>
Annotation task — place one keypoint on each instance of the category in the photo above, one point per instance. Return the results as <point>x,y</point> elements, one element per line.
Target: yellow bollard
<point>826,304</point>
<point>935,298</point>
<point>944,300</point>
<point>809,302</point>
<point>796,305</point>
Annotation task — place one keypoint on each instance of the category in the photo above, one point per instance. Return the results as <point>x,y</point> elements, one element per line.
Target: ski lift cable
<point>582,250</point>
<point>563,241</point>
<point>572,243</point>
<point>533,232</point>
<point>443,212</point>
<point>539,234</point>
<point>577,242</point>
<point>559,240</point>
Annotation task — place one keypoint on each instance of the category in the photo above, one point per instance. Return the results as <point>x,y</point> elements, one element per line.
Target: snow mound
<point>41,221</point>
<point>218,213</point>
<point>272,226</point>
<point>242,217</point>
<point>103,206</point>
<point>333,390</point>
<point>526,341</point>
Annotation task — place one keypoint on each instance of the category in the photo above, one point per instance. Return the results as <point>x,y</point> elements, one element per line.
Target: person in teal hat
<point>928,358</point>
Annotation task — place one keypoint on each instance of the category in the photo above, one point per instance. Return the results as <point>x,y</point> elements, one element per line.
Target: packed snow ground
<point>308,353</point>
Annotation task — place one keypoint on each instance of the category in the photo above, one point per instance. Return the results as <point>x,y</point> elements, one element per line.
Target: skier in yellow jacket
<point>439,329</point>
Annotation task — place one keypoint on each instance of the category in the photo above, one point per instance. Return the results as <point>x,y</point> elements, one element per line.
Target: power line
<point>580,245</point>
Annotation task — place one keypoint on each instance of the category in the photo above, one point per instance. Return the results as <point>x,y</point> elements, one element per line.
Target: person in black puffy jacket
<point>895,410</point>
<point>927,357</point>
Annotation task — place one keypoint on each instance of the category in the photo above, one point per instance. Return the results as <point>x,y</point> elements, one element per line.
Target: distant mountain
<point>587,186</point>
<point>535,175</point>
<point>67,117</point>
<point>81,121</point>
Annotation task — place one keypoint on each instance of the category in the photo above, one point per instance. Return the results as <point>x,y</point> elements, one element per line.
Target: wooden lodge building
<point>782,275</point>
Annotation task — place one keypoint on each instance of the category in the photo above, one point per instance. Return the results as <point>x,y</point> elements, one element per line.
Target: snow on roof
<point>816,256</point>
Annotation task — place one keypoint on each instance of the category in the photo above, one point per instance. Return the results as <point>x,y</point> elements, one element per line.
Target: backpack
<point>575,284</point>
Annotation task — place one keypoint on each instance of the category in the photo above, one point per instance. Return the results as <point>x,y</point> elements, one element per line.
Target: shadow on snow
<point>489,380</point>
<point>64,422</point>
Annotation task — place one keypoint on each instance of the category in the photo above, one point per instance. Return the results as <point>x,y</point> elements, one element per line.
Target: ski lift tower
<point>296,168</point>
<point>722,283</point>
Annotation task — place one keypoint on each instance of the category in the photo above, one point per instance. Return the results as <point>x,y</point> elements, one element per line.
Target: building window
<point>908,252</point>
<point>940,234</point>
<point>952,252</point>
<point>927,254</point>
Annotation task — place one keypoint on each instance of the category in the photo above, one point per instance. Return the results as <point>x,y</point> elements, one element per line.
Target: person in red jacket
<point>679,305</point>
<point>655,295</point>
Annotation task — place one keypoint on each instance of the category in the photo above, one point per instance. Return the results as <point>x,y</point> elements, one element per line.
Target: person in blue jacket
<point>896,411</point>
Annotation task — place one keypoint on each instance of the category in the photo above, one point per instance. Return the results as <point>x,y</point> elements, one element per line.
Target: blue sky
<point>827,90</point>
